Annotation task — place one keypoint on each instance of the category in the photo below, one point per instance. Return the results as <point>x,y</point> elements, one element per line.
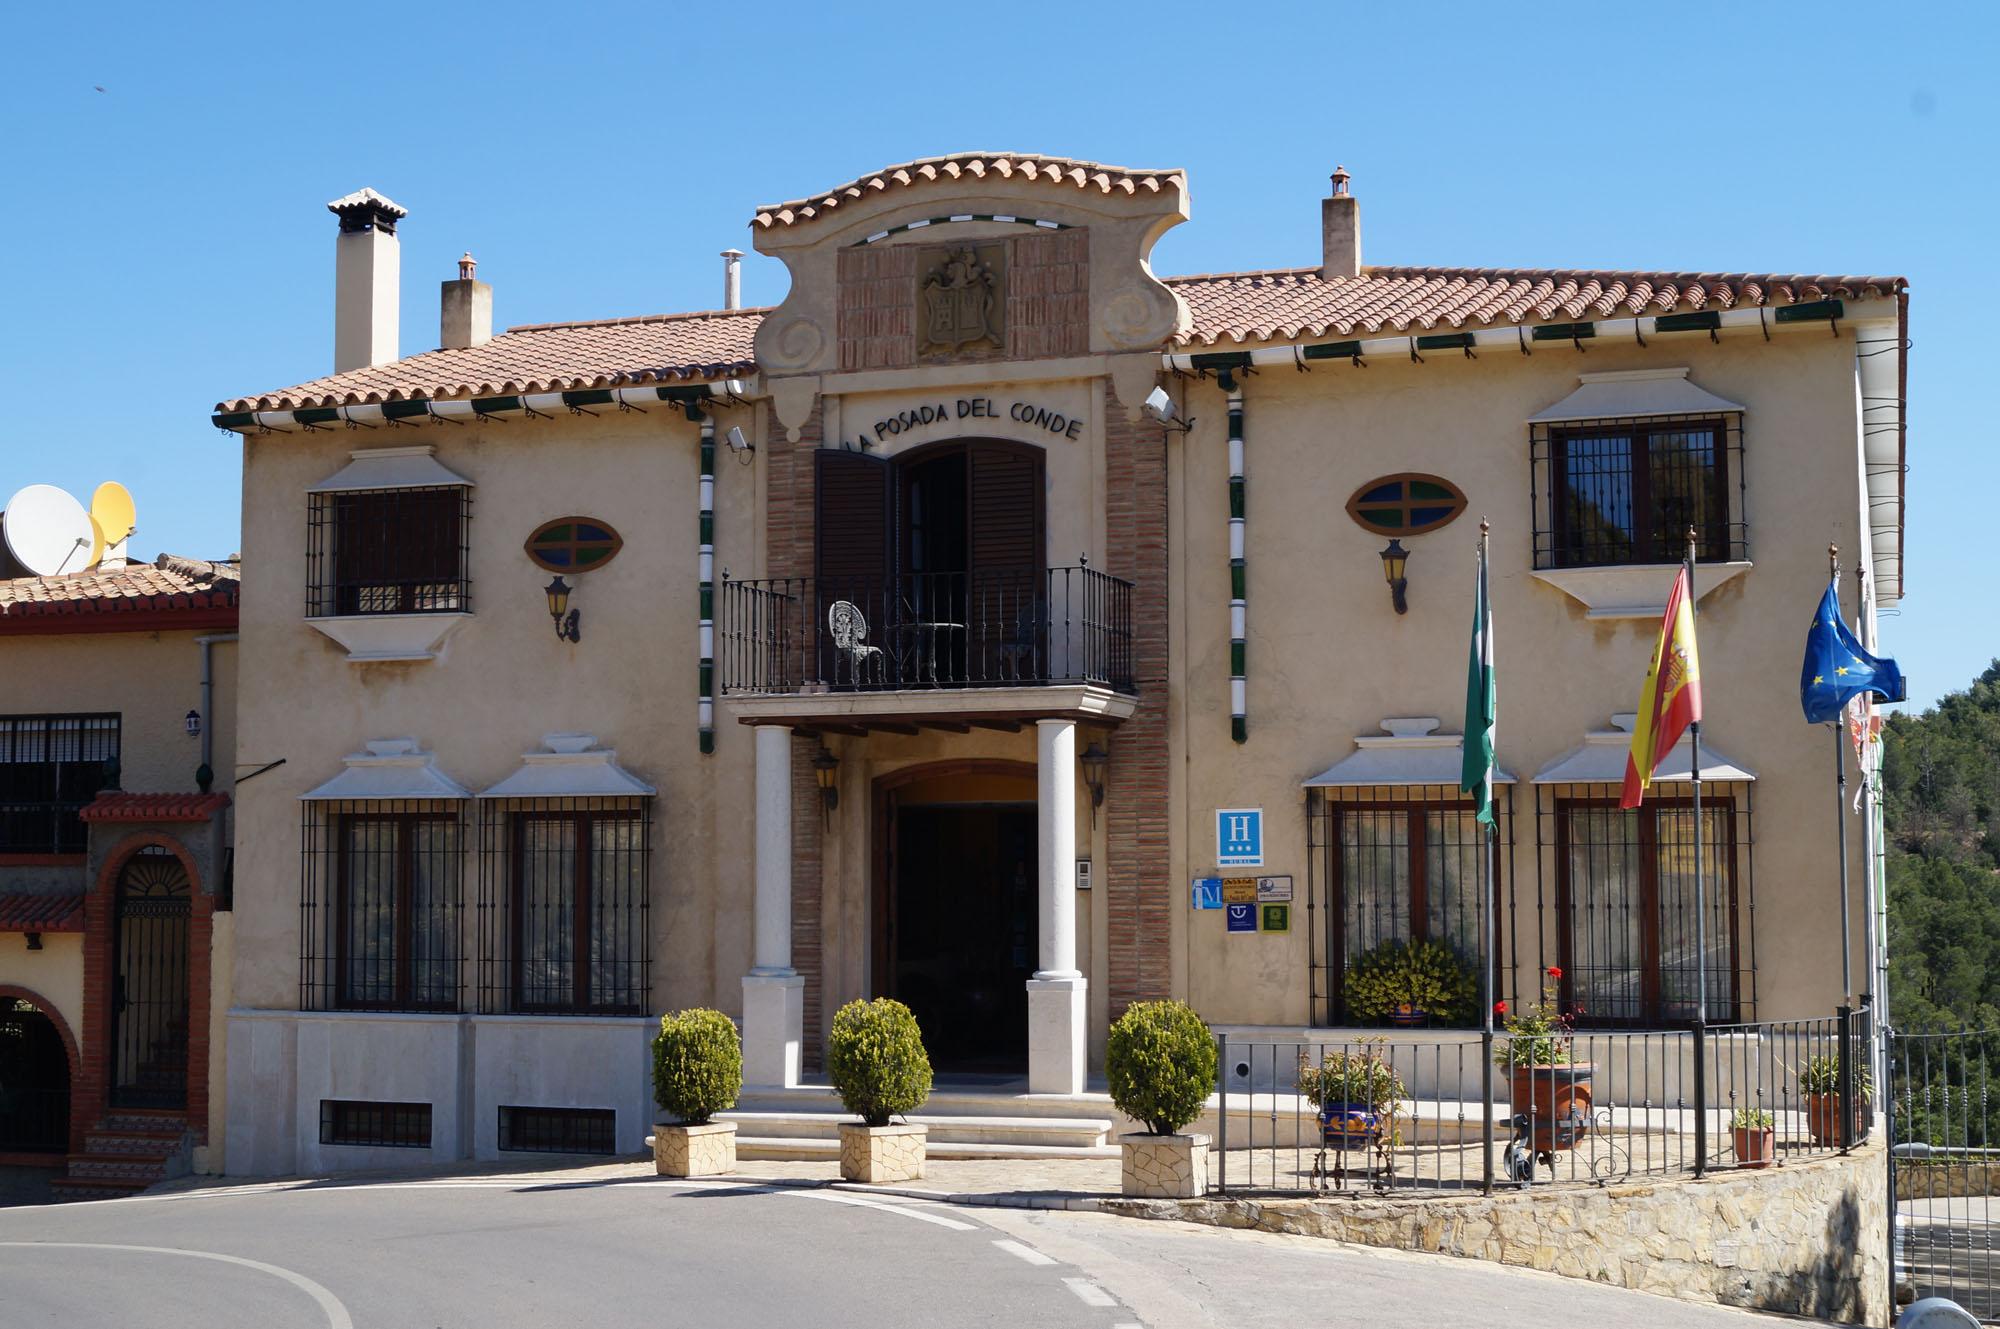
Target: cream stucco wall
<point>54,973</point>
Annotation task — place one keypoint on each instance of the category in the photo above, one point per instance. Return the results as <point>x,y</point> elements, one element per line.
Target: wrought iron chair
<point>849,629</point>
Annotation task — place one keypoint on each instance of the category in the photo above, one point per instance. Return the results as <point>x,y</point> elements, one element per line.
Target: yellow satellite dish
<point>113,517</point>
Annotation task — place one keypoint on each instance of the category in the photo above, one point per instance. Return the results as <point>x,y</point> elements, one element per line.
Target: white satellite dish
<point>47,531</point>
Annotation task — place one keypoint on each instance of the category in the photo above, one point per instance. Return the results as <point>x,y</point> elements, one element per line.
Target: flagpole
<point>1840,806</point>
<point>1700,919</point>
<point>1492,836</point>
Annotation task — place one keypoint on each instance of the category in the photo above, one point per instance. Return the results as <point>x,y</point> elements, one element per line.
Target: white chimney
<point>367,272</point>
<point>465,309</point>
<point>1340,230</point>
<point>732,279</point>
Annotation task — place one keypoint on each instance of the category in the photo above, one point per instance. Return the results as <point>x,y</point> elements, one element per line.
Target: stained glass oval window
<point>1407,504</point>
<point>573,544</point>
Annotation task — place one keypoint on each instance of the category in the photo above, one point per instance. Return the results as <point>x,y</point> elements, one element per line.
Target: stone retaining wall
<point>1808,1238</point>
<point>1938,1181</point>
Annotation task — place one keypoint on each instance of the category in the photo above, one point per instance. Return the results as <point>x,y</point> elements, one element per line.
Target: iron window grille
<point>563,906</point>
<point>381,904</point>
<point>547,1130</point>
<point>377,1125</point>
<point>389,551</point>
<point>1624,491</point>
<point>51,767</point>
<point>1621,883</point>
<point>1400,863</point>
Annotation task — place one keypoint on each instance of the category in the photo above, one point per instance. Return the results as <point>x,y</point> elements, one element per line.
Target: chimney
<point>732,279</point>
<point>1340,230</point>
<point>366,273</point>
<point>465,309</point>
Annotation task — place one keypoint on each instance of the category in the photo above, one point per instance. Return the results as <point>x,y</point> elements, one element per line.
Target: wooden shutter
<point>1004,527</point>
<point>851,520</point>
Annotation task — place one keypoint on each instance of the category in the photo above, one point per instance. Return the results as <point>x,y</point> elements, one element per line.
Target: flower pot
<point>1556,1102</point>
<point>1407,1016</point>
<point>1754,1147</point>
<point>881,1153</point>
<point>1349,1125</point>
<point>1823,1119</point>
<point>694,1151</point>
<point>1163,1167</point>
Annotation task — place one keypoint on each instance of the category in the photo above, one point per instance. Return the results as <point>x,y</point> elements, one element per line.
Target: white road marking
<point>1089,1293</point>
<point>1020,1252</point>
<point>336,1314</point>
<point>838,1198</point>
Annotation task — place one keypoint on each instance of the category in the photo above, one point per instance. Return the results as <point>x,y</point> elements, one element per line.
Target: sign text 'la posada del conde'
<point>1027,413</point>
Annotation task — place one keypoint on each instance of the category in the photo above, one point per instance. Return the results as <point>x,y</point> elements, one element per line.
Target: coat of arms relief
<point>961,300</point>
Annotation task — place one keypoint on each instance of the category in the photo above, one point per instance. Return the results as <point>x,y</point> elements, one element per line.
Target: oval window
<point>1406,504</point>
<point>573,544</point>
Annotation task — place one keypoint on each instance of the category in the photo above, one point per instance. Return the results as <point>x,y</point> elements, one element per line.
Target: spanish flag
<point>1672,699</point>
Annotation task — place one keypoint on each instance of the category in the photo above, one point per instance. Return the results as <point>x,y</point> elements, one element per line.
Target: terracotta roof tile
<point>169,583</point>
<point>543,357</point>
<point>118,805</point>
<point>28,911</point>
<point>1290,303</point>
<point>974,166</point>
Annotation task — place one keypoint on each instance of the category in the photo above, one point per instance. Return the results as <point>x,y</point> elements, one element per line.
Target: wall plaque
<point>961,299</point>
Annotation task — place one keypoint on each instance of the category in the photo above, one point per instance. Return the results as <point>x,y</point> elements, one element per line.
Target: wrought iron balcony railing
<point>926,631</point>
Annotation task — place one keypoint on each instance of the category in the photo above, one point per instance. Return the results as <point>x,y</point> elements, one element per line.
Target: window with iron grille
<point>381,905</point>
<point>563,906</point>
<point>1400,863</point>
<point>389,551</point>
<point>1614,492</point>
<point>377,1125</point>
<point>51,766</point>
<point>545,1130</point>
<point>1625,903</point>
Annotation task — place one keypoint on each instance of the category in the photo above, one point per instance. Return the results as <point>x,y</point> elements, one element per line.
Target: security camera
<point>736,441</point>
<point>1160,406</point>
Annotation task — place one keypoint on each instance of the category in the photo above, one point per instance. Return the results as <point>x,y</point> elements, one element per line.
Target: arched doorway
<point>34,1081</point>
<point>152,906</point>
<point>955,919</point>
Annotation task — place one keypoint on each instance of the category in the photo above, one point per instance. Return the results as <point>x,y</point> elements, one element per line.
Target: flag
<point>1837,669</point>
<point>1672,699</point>
<point>1481,702</point>
<point>1864,725</point>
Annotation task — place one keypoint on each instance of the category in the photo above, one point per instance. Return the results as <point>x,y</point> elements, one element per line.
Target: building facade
<point>998,626</point>
<point>114,869</point>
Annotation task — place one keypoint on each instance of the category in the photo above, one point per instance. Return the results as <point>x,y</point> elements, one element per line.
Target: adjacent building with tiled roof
<point>170,591</point>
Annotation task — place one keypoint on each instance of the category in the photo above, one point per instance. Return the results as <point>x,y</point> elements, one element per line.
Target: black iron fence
<point>1944,1166</point>
<point>926,630</point>
<point>1474,1112</point>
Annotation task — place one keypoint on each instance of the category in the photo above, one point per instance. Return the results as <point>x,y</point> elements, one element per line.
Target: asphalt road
<point>510,1253</point>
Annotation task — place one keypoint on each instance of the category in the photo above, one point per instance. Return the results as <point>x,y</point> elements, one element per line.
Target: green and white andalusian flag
<point>1481,701</point>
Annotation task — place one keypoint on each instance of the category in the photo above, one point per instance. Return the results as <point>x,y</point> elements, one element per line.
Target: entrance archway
<point>151,916</point>
<point>37,1056</point>
<point>955,923</point>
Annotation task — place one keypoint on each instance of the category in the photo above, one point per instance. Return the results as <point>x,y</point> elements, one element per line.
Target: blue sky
<point>168,245</point>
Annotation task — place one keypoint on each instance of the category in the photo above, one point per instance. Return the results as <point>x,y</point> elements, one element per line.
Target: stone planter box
<point>695,1151</point>
<point>1164,1167</point>
<point>881,1153</point>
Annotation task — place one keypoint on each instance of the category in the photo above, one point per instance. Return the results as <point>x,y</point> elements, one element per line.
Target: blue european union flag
<point>1837,669</point>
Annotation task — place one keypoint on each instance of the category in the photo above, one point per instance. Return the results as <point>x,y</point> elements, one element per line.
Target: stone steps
<point>809,1149</point>
<point>944,1129</point>
<point>124,1154</point>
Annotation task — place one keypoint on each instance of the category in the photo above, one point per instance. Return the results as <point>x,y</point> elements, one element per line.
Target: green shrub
<point>1160,1061</point>
<point>1822,1076</point>
<point>1360,1078</point>
<point>1426,975</point>
<point>877,1060</point>
<point>1750,1119</point>
<point>697,1065</point>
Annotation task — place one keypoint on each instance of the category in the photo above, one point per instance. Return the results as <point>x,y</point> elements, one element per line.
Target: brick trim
<point>48,1008</point>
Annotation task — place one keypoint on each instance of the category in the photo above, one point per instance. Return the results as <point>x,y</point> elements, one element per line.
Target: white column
<point>1057,1010</point>
<point>773,993</point>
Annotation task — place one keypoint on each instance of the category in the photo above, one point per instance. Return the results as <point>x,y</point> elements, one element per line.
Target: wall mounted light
<point>34,940</point>
<point>566,618</point>
<point>1094,759</point>
<point>1395,563</point>
<point>825,767</point>
<point>192,724</point>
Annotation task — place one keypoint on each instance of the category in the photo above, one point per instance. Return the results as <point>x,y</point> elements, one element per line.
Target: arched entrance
<point>955,921</point>
<point>34,1080</point>
<point>152,905</point>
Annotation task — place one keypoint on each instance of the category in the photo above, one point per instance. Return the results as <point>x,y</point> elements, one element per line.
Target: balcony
<point>1012,642</point>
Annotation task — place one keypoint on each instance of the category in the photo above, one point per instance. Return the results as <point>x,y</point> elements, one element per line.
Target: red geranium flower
<point>1555,971</point>
<point>1499,1008</point>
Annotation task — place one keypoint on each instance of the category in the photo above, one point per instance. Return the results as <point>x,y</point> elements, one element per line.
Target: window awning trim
<point>1602,758</point>
<point>570,766</point>
<point>1409,754</point>
<point>389,468</point>
<point>391,768</point>
<point>1626,393</point>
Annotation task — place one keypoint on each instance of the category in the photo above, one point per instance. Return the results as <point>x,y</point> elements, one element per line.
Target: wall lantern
<point>825,765</point>
<point>1094,759</point>
<point>566,618</point>
<point>1395,559</point>
<point>193,724</point>
<point>34,940</point>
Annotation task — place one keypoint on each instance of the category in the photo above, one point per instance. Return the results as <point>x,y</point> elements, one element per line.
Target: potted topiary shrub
<point>1819,1082</point>
<point>1412,983</point>
<point>1356,1094</point>
<point>1753,1134</point>
<point>697,1072</point>
<point>880,1069</point>
<point>1160,1062</point>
